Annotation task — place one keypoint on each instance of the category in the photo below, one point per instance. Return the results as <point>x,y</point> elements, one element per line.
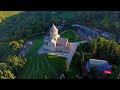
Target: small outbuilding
<point>99,65</point>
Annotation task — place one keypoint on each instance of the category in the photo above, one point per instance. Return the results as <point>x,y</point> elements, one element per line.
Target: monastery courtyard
<point>54,44</point>
<point>68,55</point>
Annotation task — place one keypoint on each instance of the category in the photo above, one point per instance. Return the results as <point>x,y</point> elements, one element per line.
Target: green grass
<point>42,66</point>
<point>37,68</point>
<point>71,36</point>
<point>57,63</point>
<point>75,67</point>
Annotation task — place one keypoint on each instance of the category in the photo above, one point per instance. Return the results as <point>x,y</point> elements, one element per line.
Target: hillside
<point>6,14</point>
<point>21,23</point>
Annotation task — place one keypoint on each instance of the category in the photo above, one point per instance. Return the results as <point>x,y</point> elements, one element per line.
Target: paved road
<point>26,48</point>
<point>86,33</point>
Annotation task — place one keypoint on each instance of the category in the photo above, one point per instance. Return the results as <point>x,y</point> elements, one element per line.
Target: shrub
<point>87,56</point>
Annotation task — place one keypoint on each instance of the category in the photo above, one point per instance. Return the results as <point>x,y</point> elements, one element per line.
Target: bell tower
<point>54,33</point>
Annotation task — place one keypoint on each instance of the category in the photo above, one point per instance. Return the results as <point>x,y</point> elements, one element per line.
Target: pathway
<point>26,48</point>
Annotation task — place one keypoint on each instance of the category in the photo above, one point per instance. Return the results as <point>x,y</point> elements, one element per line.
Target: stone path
<point>72,51</point>
<point>26,49</point>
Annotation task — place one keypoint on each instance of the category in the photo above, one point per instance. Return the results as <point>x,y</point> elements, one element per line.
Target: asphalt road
<point>87,33</point>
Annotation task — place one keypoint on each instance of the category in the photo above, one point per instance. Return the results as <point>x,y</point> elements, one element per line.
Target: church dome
<point>53,29</point>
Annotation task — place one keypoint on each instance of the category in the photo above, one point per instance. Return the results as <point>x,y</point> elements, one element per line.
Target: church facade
<point>54,42</point>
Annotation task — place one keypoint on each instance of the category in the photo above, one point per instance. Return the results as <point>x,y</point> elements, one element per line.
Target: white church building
<point>54,42</point>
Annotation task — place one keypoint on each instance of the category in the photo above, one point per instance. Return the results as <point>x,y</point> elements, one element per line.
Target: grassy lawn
<point>57,63</point>
<point>71,36</point>
<point>75,67</point>
<point>42,66</point>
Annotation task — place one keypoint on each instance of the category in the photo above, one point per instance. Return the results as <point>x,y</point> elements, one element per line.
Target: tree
<point>87,56</point>
<point>101,48</point>
<point>116,28</point>
<point>115,73</point>
<point>16,63</point>
<point>46,77</point>
<point>5,72</point>
<point>82,59</point>
<point>15,45</point>
<point>21,41</point>
<point>57,21</point>
<point>118,77</point>
<point>93,47</point>
<point>106,49</point>
<point>67,68</point>
<point>3,66</point>
<point>106,23</point>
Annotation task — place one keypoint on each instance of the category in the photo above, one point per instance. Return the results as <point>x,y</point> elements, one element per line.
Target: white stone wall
<point>54,36</point>
<point>52,46</point>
